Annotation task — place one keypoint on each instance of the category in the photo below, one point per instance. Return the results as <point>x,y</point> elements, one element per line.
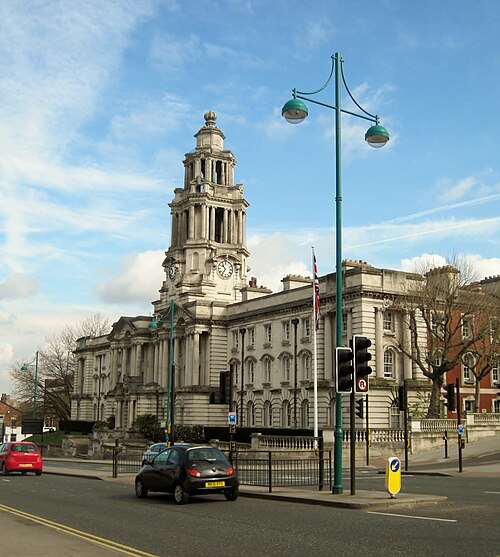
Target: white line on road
<point>493,492</point>
<point>410,516</point>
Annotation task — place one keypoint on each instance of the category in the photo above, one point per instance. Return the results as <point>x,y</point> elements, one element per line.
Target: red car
<point>18,456</point>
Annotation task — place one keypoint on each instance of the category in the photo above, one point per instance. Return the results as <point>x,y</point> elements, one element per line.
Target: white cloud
<point>138,279</point>
<point>18,285</point>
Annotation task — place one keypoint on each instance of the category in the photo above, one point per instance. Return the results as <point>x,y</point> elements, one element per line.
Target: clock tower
<point>207,257</point>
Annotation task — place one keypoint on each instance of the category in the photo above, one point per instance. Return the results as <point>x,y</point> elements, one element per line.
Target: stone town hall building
<point>125,373</point>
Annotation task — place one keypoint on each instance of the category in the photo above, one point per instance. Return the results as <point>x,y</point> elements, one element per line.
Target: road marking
<point>411,516</point>
<point>108,544</point>
<point>493,492</point>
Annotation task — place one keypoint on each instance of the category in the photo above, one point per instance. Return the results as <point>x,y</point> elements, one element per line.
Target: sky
<point>99,103</point>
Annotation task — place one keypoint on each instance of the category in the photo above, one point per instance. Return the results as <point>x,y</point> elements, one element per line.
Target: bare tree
<point>56,367</point>
<point>442,304</point>
<point>484,355</point>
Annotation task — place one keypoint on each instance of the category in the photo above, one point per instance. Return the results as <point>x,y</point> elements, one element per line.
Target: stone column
<point>188,370</point>
<point>203,222</point>
<point>195,361</point>
<point>124,360</point>
<point>156,354</point>
<point>191,223</point>
<point>212,223</point>
<point>114,367</point>
<point>180,373</point>
<point>138,359</point>
<point>224,227</point>
<point>379,342</point>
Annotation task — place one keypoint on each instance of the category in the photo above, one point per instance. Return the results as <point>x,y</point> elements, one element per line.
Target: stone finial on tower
<point>210,118</point>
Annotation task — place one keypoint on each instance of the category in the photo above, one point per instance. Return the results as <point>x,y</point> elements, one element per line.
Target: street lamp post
<point>295,323</point>
<point>25,367</point>
<point>295,111</point>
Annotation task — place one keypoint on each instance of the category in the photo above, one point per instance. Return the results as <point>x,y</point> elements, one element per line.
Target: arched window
<point>286,414</point>
<point>468,364</point>
<point>267,370</point>
<point>389,364</point>
<point>306,366</point>
<point>251,371</point>
<point>268,414</point>
<point>304,414</point>
<point>286,368</point>
<point>250,414</point>
<point>394,415</point>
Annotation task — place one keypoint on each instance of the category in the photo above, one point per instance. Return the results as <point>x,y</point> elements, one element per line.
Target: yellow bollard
<point>393,476</point>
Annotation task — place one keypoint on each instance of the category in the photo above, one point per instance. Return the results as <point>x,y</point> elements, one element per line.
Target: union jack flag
<point>316,292</point>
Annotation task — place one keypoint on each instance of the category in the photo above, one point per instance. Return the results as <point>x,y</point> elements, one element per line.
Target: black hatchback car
<point>186,470</point>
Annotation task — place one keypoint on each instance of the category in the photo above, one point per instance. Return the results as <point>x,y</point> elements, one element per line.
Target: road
<point>466,525</point>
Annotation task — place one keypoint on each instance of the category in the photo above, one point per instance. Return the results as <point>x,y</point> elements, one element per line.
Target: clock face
<point>225,269</point>
<point>172,271</point>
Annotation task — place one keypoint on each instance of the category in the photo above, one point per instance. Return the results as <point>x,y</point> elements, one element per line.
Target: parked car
<point>186,470</point>
<point>20,456</point>
<point>153,450</point>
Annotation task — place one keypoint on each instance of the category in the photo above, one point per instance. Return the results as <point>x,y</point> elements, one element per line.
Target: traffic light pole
<point>459,435</point>
<point>405,402</point>
<point>353,442</point>
<point>367,433</point>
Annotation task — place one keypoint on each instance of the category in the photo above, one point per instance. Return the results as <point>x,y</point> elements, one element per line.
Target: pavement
<point>56,540</point>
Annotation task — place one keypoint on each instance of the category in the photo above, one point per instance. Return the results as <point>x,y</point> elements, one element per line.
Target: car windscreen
<point>205,454</point>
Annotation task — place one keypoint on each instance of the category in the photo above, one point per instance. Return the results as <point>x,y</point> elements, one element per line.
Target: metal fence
<point>126,461</point>
<point>293,469</point>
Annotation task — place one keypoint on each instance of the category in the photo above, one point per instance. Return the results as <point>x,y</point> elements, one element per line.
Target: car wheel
<point>38,472</point>
<point>140,490</point>
<point>180,496</point>
<point>5,472</point>
<point>232,495</point>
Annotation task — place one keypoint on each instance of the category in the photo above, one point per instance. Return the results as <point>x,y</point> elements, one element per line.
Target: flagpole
<point>315,326</point>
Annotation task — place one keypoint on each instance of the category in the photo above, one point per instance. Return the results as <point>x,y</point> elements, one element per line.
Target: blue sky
<point>99,102</point>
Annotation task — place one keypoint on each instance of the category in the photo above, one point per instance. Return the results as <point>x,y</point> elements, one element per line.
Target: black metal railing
<point>293,469</point>
<point>126,461</point>
<point>260,468</point>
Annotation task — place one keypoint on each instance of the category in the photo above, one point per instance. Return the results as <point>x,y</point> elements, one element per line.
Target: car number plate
<point>215,484</point>
<point>25,465</point>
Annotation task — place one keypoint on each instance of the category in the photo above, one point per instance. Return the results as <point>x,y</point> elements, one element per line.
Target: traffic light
<point>450,397</point>
<point>232,429</point>
<point>359,407</point>
<point>361,356</point>
<point>344,370</point>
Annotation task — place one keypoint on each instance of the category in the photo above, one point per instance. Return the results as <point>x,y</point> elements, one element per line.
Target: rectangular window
<point>467,326</point>
<point>467,365</point>
<point>286,331</point>
<point>344,323</point>
<point>388,321</point>
<point>496,406</point>
<point>388,364</point>
<point>236,340</point>
<point>268,332</point>
<point>306,327</point>
<point>495,370</point>
<point>251,337</point>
